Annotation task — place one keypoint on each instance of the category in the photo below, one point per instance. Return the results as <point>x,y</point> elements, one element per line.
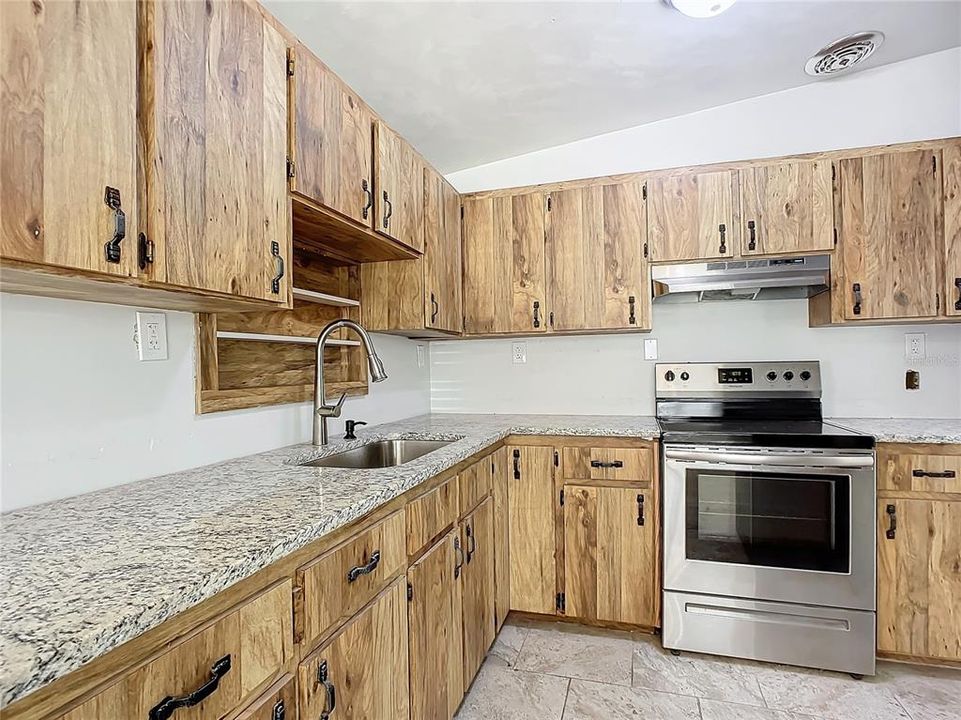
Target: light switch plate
<point>519,353</point>
<point>650,348</point>
<point>152,336</point>
<point>420,356</point>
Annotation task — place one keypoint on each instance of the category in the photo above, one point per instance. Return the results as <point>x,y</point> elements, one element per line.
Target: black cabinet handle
<point>323,678</point>
<point>928,474</point>
<point>891,510</point>
<point>390,210</point>
<point>537,314</point>
<point>857,298</point>
<point>722,229</point>
<point>957,303</point>
<point>279,275</point>
<point>517,464</point>
<point>640,509</point>
<point>435,307</point>
<point>279,712</point>
<point>365,186</point>
<point>356,572</point>
<point>458,564</point>
<point>605,464</point>
<point>752,235</point>
<point>111,249</point>
<point>632,317</point>
<point>166,707</point>
<point>471,543</point>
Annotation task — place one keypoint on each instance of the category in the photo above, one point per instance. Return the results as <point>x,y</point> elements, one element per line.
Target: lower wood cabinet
<point>502,551</point>
<point>477,536</point>
<point>362,672</point>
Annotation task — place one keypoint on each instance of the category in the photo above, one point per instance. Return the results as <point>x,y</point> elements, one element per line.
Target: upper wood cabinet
<point>597,272</point>
<point>889,213</point>
<point>331,145</point>
<point>443,297</point>
<point>214,111</point>
<point>68,113</point>
<point>691,215</point>
<point>787,208</point>
<point>399,188</point>
<point>951,164</point>
<point>504,274</point>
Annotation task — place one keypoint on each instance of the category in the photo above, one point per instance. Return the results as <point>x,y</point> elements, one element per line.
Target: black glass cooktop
<point>762,432</point>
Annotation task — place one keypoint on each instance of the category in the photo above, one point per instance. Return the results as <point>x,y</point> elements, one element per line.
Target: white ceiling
<point>472,82</point>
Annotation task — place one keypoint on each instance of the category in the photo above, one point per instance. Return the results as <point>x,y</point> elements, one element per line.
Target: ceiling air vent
<point>842,55</point>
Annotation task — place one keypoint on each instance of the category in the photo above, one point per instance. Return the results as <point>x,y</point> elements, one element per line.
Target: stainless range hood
<point>798,277</point>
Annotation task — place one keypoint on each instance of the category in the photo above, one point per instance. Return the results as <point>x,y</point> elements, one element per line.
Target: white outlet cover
<point>650,348</point>
<point>151,336</point>
<point>519,353</point>
<point>914,346</point>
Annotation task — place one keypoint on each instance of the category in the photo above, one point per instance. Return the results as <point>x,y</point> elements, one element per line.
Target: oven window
<point>772,520</point>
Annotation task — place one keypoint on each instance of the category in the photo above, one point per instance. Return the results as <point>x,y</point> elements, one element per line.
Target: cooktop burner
<point>764,433</point>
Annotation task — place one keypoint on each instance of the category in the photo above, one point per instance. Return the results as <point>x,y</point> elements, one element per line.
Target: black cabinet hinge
<point>646,249</point>
<point>561,603</point>
<point>549,203</point>
<point>556,459</point>
<point>934,163</point>
<point>290,168</point>
<point>290,67</point>
<point>562,497</point>
<point>145,251</point>
<point>410,592</point>
<point>644,192</point>
<point>517,464</point>
<point>550,318</point>
<point>461,212</point>
<point>835,236</point>
<point>834,172</point>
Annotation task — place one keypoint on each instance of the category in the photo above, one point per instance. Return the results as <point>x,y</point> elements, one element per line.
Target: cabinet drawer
<point>474,484</point>
<point>336,585</point>
<point>429,515</point>
<point>597,463</point>
<point>236,654</point>
<point>919,471</point>
<point>278,703</point>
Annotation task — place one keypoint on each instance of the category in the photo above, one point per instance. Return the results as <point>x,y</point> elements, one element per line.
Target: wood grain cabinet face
<point>478,590</point>
<point>362,673</point>
<point>504,272</point>
<point>608,463</point>
<point>502,553</point>
<point>691,216</point>
<point>278,703</point>
<point>443,299</point>
<point>889,219</point>
<point>474,484</point>
<point>331,139</point>
<point>787,208</point>
<point>926,469</point>
<point>598,276</point>
<point>951,156</point>
<point>68,113</point>
<point>398,188</point>
<point>919,577</point>
<point>429,515</point>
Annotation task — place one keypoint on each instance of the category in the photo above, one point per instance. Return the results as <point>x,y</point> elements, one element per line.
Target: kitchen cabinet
<point>217,210</point>
<point>597,272</point>
<point>532,501</point>
<point>474,484</point>
<point>477,541</point>
<point>888,218</point>
<point>504,272</point>
<point>610,554</point>
<point>69,127</point>
<point>362,672</point>
<point>442,296</point>
<point>398,188</point>
<point>691,215</point>
<point>787,208</point>
<point>502,552</point>
<point>951,158</point>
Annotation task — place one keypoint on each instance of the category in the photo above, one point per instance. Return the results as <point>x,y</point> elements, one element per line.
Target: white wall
<point>863,367</point>
<point>79,412</point>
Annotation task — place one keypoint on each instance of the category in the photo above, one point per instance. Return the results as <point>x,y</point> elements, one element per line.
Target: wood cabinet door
<point>531,505</point>
<point>610,554</point>
<point>362,673</point>
<point>504,273</point>
<point>278,703</point>
<point>398,188</point>
<point>889,217</point>
<point>443,304</point>
<point>332,141</point>
<point>431,623</point>
<point>787,208</point>
<point>596,266</point>
<point>68,114</point>
<point>502,553</point>
<point>919,583</point>
<point>951,158</point>
<point>478,597</point>
<point>691,216</point>
<point>215,111</point>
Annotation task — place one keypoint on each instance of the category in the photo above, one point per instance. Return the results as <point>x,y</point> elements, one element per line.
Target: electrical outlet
<point>914,346</point>
<point>519,353</point>
<point>650,349</point>
<point>151,336</point>
<point>420,356</point>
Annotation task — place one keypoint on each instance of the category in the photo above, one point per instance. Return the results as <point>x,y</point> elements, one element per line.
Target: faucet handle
<point>338,405</point>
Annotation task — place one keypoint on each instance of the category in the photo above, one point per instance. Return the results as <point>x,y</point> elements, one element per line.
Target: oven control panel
<point>799,378</point>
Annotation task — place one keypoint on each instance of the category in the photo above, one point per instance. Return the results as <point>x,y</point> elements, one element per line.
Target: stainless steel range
<point>769,532</point>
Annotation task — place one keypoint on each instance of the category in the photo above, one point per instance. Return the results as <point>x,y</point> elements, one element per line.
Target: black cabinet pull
<point>458,564</point>
<point>957,303</point>
<point>752,235</point>
<point>537,314</point>
<point>323,678</point>
<point>517,464</point>
<point>928,474</point>
<point>434,307</point>
<point>356,572</point>
<point>891,510</point>
<point>166,707</point>
<point>390,210</point>
<point>640,509</point>
<point>279,261</point>
<point>722,229</point>
<point>857,298</point>
<point>606,464</point>
<point>471,542</point>
<point>111,249</point>
<point>365,186</point>
<point>631,317</point>
<point>279,712</point>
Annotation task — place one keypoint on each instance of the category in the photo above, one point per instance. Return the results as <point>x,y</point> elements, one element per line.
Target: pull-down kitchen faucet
<point>322,410</point>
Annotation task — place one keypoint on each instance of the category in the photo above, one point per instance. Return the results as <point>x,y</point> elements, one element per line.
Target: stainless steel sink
<point>380,454</point>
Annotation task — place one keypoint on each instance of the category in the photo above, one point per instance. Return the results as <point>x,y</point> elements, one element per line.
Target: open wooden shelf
<point>323,298</point>
<point>299,339</point>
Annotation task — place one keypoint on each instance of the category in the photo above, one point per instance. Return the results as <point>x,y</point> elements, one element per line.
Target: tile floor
<point>551,671</point>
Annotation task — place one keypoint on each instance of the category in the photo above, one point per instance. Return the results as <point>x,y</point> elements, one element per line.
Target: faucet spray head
<point>377,371</point>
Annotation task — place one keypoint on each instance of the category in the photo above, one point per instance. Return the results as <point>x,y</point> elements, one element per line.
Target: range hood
<point>797,277</point>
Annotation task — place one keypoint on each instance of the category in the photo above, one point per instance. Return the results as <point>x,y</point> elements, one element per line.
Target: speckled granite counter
<point>82,576</point>
<point>905,430</point>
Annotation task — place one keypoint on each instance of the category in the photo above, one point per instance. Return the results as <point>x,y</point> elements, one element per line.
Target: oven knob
<point>685,376</point>
<point>772,376</point>
<point>805,375</point>
<point>789,376</point>
<point>669,376</point>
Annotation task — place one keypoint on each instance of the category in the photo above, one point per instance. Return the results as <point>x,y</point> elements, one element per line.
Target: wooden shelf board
<point>324,299</point>
<point>259,337</point>
<point>241,398</point>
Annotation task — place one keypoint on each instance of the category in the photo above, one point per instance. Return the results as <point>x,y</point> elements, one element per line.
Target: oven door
<point>770,524</point>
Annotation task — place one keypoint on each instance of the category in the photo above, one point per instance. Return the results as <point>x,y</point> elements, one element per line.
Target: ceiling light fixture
<point>700,8</point>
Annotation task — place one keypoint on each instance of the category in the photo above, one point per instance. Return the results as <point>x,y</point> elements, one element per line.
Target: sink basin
<point>380,454</point>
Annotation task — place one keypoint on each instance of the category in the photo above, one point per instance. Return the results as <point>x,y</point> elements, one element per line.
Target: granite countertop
<point>905,430</point>
<point>83,575</point>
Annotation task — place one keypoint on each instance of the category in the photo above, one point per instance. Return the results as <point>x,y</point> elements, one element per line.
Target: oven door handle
<point>729,458</point>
